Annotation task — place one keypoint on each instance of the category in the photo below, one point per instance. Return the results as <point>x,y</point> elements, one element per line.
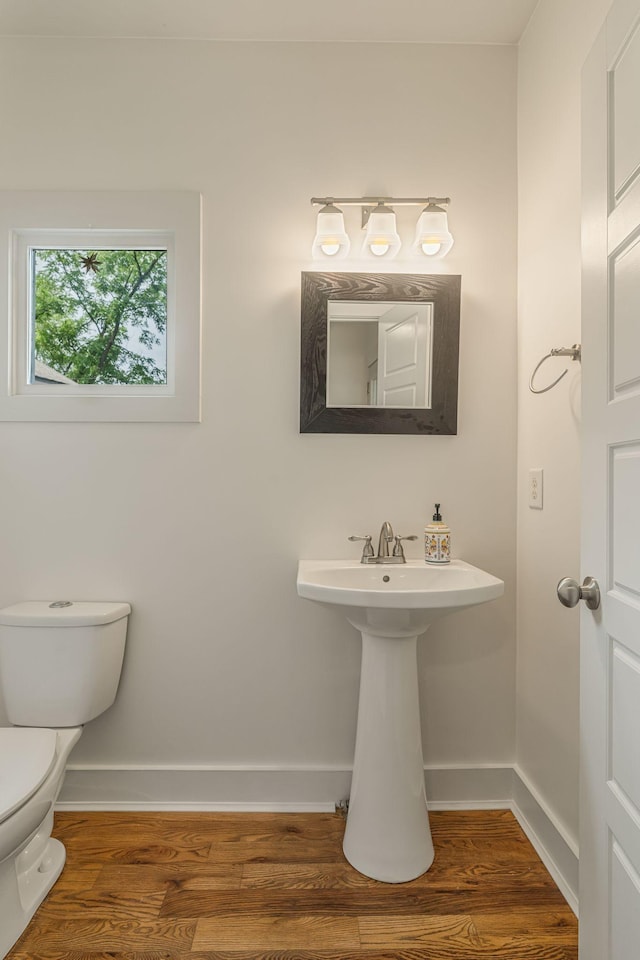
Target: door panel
<point>625,522</point>
<point>404,356</point>
<point>625,283</point>
<point>625,695</point>
<point>625,899</point>
<point>624,116</point>
<point>610,637</point>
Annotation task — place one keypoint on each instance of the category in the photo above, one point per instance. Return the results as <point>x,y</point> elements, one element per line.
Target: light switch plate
<point>535,488</point>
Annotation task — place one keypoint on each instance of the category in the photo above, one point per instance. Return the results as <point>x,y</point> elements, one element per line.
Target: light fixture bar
<point>368,201</point>
<point>381,239</point>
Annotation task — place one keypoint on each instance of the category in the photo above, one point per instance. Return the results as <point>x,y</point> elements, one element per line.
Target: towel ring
<point>575,352</point>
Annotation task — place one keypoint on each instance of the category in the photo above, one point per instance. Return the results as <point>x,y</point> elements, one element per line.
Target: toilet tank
<point>60,662</point>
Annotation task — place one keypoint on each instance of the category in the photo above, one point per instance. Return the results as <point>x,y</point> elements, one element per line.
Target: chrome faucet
<point>384,555</point>
<point>385,538</point>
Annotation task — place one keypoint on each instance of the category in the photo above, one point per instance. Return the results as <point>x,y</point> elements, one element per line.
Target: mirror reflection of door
<point>379,354</point>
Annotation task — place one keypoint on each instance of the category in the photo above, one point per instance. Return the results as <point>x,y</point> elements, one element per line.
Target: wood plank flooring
<point>276,887</point>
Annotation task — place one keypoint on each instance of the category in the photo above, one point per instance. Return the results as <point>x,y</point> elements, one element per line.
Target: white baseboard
<point>204,787</point>
<point>557,850</point>
<point>306,788</point>
<point>468,787</point>
<point>264,787</point>
<point>146,806</point>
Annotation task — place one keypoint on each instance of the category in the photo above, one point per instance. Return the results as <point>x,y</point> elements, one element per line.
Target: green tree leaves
<point>105,324</point>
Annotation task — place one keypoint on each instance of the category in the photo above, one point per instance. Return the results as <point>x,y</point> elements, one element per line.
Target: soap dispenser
<point>437,540</point>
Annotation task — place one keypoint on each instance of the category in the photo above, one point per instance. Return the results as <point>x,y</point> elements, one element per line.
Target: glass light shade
<point>331,239</point>
<point>432,233</point>
<point>381,239</point>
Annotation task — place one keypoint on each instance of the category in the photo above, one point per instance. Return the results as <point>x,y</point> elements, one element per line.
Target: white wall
<point>551,55</point>
<point>200,526</point>
<point>348,349</point>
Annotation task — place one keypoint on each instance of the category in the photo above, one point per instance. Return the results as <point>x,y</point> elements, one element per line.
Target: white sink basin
<point>387,836</point>
<point>396,600</point>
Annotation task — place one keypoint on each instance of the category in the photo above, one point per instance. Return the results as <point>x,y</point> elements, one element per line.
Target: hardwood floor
<point>276,887</point>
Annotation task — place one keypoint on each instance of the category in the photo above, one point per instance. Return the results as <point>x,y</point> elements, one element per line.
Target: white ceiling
<point>425,21</point>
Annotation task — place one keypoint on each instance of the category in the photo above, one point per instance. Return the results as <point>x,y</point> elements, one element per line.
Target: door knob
<point>570,592</point>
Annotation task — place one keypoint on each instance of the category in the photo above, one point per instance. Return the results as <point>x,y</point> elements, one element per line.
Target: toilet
<point>60,666</point>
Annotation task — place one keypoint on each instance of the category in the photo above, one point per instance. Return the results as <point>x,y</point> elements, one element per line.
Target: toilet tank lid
<point>62,613</point>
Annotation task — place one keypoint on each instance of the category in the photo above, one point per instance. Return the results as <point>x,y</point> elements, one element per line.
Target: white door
<point>610,636</point>
<point>404,356</point>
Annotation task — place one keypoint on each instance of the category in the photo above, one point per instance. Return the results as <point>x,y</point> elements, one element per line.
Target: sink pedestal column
<point>387,835</point>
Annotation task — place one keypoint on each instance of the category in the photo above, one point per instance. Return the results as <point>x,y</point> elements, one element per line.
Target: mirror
<point>379,353</point>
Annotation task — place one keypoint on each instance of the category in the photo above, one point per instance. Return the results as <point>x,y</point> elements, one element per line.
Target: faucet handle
<point>398,550</point>
<point>367,550</point>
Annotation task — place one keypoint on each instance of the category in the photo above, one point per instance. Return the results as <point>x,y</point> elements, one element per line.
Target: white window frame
<point>95,221</point>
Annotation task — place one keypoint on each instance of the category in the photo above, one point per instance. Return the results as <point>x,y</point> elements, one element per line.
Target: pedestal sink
<point>387,835</point>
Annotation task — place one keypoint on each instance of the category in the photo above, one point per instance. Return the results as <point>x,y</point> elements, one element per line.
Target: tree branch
<point>122,307</point>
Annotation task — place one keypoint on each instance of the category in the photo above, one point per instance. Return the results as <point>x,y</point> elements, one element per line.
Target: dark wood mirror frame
<point>443,291</point>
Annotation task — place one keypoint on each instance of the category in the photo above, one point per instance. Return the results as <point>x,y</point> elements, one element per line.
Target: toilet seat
<point>27,754</point>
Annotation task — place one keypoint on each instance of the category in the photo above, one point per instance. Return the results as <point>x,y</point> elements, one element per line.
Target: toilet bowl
<point>31,860</point>
<point>60,666</point>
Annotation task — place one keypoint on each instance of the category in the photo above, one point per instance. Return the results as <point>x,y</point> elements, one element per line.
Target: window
<point>103,317</point>
<point>98,316</point>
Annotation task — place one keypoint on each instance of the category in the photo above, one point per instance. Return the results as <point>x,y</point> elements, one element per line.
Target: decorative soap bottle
<point>437,540</point>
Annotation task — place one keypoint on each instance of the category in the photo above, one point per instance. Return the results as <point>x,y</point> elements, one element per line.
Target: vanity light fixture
<point>432,232</point>
<point>331,239</point>
<point>381,240</point>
